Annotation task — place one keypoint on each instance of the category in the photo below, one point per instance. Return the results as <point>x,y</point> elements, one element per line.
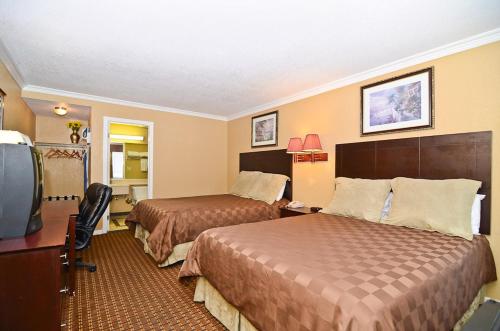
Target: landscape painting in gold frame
<point>400,103</point>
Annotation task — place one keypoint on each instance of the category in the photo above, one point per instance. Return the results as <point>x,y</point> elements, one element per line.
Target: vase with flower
<point>75,127</point>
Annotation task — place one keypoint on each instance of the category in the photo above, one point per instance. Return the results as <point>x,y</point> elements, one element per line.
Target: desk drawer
<point>30,296</point>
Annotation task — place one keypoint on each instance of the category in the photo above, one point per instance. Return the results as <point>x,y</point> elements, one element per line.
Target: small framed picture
<point>2,104</point>
<point>265,130</point>
<point>400,103</point>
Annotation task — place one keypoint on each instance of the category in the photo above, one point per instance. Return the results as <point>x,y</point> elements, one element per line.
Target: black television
<point>21,185</point>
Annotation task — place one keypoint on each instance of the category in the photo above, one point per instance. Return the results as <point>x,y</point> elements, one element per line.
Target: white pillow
<point>475,213</point>
<point>387,206</point>
<point>280,194</point>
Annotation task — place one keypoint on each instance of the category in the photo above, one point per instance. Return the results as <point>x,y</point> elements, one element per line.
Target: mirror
<point>117,163</point>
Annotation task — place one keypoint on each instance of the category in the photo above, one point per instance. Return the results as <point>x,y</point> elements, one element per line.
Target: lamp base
<point>312,157</point>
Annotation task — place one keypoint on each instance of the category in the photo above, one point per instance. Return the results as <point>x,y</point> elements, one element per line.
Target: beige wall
<point>51,129</point>
<point>17,115</point>
<point>133,165</point>
<point>467,98</point>
<point>190,153</point>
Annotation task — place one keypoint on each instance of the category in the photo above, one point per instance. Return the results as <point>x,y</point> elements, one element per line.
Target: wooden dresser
<point>36,271</point>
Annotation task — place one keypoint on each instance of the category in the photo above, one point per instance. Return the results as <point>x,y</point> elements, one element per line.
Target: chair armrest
<point>84,228</point>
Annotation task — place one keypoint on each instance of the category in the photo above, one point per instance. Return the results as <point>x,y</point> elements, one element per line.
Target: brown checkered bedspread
<point>180,220</point>
<point>322,272</point>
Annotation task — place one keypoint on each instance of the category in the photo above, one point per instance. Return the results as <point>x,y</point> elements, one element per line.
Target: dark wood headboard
<point>276,161</point>
<point>463,155</point>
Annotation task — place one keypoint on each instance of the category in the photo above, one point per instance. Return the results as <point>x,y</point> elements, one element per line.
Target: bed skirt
<point>222,310</point>
<point>178,254</point>
<point>233,320</point>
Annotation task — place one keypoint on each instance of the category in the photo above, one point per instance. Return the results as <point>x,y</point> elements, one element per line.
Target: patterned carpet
<point>128,292</point>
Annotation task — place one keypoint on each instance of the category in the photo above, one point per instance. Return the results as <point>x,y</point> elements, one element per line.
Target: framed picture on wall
<point>2,104</point>
<point>400,103</point>
<point>265,130</point>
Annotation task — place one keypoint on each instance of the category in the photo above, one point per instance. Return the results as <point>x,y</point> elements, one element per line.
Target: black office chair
<point>91,209</point>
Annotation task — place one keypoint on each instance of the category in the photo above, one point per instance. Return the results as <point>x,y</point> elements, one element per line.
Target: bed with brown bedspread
<point>180,220</point>
<point>324,272</point>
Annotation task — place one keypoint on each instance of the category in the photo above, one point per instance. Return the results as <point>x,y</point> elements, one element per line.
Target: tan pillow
<point>359,198</point>
<point>267,187</point>
<point>436,205</point>
<point>244,183</point>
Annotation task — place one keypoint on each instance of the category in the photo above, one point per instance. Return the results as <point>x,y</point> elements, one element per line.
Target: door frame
<point>105,158</point>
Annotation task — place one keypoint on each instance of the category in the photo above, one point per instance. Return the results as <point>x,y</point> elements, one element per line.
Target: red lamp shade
<point>312,143</point>
<point>294,145</point>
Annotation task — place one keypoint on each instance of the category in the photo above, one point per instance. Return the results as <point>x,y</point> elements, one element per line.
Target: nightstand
<point>289,212</point>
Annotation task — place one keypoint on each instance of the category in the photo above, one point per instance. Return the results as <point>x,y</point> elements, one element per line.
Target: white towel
<point>144,165</point>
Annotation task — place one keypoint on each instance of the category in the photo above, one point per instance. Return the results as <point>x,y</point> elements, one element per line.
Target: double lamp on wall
<point>309,151</point>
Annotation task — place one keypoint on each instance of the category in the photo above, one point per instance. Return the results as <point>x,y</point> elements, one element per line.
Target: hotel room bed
<point>165,225</point>
<point>324,272</point>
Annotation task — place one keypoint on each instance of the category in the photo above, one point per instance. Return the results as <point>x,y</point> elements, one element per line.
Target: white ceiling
<point>45,108</point>
<point>222,57</point>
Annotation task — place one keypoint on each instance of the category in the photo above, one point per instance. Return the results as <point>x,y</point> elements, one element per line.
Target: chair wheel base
<point>86,265</point>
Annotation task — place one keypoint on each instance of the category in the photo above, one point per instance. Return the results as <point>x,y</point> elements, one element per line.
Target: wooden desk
<point>36,269</point>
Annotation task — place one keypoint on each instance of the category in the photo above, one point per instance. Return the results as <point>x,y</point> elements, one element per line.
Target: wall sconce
<point>295,147</point>
<point>309,151</point>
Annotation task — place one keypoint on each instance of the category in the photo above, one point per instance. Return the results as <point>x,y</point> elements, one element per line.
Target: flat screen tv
<point>21,185</point>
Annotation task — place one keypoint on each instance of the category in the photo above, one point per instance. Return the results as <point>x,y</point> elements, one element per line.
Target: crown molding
<point>96,98</point>
<point>435,53</point>
<point>6,59</point>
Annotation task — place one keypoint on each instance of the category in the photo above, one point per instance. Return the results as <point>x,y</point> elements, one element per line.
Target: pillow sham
<point>359,198</point>
<point>267,187</point>
<point>436,205</point>
<point>475,213</point>
<point>244,183</point>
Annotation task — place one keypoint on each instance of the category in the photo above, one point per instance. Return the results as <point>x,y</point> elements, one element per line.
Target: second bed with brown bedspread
<point>180,220</point>
<point>322,272</point>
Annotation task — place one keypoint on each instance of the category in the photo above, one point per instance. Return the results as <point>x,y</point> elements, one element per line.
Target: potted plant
<point>75,127</point>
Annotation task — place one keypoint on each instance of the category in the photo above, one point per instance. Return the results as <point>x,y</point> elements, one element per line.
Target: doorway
<point>127,167</point>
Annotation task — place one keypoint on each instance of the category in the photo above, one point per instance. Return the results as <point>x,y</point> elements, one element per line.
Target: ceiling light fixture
<point>126,137</point>
<point>61,111</point>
